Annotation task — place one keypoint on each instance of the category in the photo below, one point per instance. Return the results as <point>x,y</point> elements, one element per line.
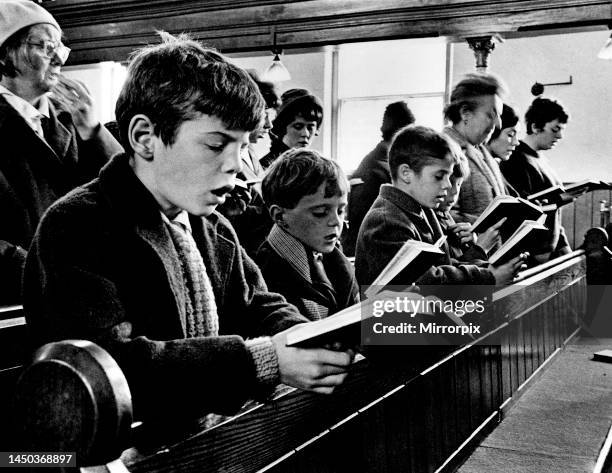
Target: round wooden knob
<point>74,398</point>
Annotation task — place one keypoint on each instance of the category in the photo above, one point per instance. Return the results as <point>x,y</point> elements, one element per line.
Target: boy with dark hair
<point>139,262</point>
<point>421,164</point>
<point>244,206</point>
<point>373,172</point>
<point>528,171</point>
<point>306,195</point>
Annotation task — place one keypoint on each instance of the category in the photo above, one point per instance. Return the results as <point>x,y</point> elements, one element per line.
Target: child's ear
<point>140,136</point>
<point>535,129</point>
<point>278,215</point>
<point>405,173</point>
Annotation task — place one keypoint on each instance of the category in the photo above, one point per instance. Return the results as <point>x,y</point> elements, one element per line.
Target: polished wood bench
<point>423,409</point>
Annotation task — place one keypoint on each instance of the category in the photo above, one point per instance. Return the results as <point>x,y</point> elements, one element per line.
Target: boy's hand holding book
<point>463,232</point>
<point>507,272</point>
<point>313,369</point>
<point>491,237</point>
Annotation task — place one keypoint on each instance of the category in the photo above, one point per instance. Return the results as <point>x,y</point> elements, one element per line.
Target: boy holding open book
<point>421,163</point>
<point>307,198</point>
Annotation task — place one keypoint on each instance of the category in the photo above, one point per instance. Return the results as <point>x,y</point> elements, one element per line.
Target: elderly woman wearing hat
<point>297,123</point>
<point>474,112</point>
<point>48,146</point>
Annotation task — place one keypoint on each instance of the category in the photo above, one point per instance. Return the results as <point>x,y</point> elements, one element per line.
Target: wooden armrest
<point>73,397</point>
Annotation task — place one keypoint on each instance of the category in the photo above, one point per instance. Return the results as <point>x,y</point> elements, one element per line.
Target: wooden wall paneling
<point>462,394</point>
<point>98,31</point>
<point>448,406</point>
<point>373,441</point>
<point>420,407</point>
<point>398,432</point>
<point>517,366</point>
<point>507,363</point>
<point>568,220</point>
<point>486,388</point>
<point>475,386</point>
<point>584,211</point>
<point>539,351</point>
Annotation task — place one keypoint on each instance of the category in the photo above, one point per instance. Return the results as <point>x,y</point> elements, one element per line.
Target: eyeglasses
<point>51,49</point>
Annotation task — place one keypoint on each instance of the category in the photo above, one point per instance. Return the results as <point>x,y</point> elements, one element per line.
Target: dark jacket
<point>103,267</point>
<point>470,252</point>
<point>277,147</point>
<point>373,172</point>
<point>394,218</point>
<point>524,172</point>
<point>33,175</point>
<point>282,277</point>
<point>254,224</point>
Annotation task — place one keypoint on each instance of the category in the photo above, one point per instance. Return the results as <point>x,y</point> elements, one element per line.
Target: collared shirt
<point>297,255</point>
<point>31,114</point>
<point>182,218</point>
<point>292,249</point>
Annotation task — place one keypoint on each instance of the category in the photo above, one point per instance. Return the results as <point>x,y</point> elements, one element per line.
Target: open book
<point>527,237</point>
<point>416,254</point>
<point>345,326</point>
<point>561,195</point>
<point>514,209</point>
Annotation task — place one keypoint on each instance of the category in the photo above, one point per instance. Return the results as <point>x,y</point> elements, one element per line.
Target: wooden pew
<point>72,398</point>
<point>424,411</point>
<point>13,353</point>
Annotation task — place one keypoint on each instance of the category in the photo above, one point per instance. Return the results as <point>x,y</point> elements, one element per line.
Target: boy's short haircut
<point>297,102</point>
<point>299,172</point>
<point>178,80</point>
<point>267,89</point>
<point>509,118</point>
<point>543,110</point>
<point>417,146</point>
<point>468,90</point>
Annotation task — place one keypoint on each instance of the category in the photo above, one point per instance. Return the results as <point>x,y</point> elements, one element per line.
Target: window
<point>372,75</point>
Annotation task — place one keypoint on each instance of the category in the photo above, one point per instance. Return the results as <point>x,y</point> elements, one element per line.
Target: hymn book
<point>345,326</point>
<point>528,236</point>
<point>414,255</point>
<point>603,355</point>
<point>560,195</point>
<point>514,209</point>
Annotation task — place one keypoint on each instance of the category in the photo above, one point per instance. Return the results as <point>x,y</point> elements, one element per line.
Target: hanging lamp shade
<point>276,72</point>
<point>606,51</point>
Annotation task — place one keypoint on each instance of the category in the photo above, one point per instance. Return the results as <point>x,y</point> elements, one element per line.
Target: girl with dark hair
<point>297,123</point>
<point>505,138</point>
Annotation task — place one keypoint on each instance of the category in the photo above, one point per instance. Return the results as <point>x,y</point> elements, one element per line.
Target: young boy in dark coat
<point>307,198</point>
<point>139,261</point>
<point>421,164</point>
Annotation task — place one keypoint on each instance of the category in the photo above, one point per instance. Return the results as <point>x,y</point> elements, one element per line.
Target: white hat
<point>17,14</point>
